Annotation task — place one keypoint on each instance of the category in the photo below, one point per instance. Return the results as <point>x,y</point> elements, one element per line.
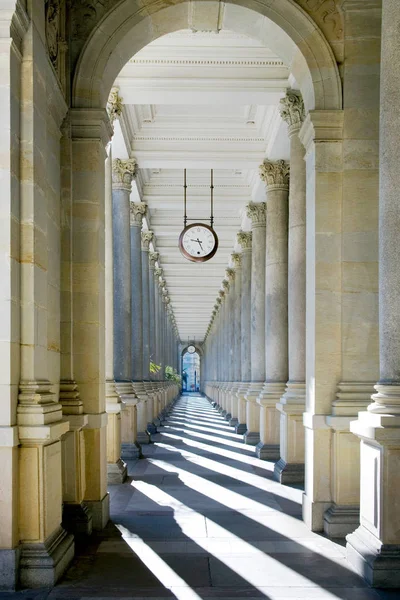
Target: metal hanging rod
<point>185,217</point>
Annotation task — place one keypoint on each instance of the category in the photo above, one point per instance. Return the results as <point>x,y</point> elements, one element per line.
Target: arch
<point>194,379</point>
<point>282,26</point>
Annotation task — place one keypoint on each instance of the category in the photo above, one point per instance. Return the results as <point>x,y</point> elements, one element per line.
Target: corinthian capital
<point>147,237</point>
<point>114,105</point>
<point>123,171</point>
<point>225,285</point>
<point>256,211</point>
<point>166,299</point>
<point>236,260</point>
<point>153,258</point>
<point>230,274</point>
<point>137,211</point>
<point>158,271</point>
<point>221,294</point>
<point>275,174</point>
<point>244,238</point>
<point>292,110</point>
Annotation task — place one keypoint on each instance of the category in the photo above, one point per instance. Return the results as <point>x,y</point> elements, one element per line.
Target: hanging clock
<point>198,242</point>
<point>191,349</point>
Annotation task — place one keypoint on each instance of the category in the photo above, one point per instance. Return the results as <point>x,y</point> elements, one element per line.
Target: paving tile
<point>200,518</point>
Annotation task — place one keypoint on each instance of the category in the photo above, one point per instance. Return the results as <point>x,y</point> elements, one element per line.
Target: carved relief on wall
<point>55,37</point>
<point>53,28</point>
<point>327,16</point>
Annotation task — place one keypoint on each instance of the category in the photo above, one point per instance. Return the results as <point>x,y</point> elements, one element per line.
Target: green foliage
<point>154,368</point>
<point>172,375</point>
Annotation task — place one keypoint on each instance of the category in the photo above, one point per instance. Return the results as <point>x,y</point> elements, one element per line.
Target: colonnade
<point>145,335</point>
<point>260,313</point>
<point>277,399</point>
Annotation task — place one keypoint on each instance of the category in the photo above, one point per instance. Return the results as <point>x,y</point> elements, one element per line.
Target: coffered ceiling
<point>200,101</point>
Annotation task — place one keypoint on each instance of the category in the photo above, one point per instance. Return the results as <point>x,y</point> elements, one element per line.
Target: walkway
<point>201,517</point>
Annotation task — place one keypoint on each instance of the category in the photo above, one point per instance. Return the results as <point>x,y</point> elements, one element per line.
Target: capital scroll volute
<point>123,171</point>
<point>137,211</point>
<point>256,211</point>
<point>275,174</point>
<point>292,110</point>
<point>147,237</point>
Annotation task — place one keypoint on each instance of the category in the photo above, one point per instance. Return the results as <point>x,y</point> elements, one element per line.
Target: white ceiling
<point>200,100</point>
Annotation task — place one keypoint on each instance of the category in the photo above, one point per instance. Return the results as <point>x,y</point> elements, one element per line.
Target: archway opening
<point>191,371</point>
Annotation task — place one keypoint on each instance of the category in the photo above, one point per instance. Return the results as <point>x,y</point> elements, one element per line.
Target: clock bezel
<point>198,258</point>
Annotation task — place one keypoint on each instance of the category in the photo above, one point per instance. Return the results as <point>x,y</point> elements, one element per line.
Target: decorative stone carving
<point>244,238</point>
<point>161,283</point>
<point>137,211</point>
<point>221,294</point>
<point>230,274</point>
<point>52,16</point>
<point>114,105</point>
<point>225,285</point>
<point>147,237</point>
<point>123,171</point>
<point>236,260</point>
<point>326,14</point>
<point>153,258</point>
<point>256,211</point>
<point>275,174</point>
<point>158,271</point>
<point>166,300</point>
<point>292,109</point>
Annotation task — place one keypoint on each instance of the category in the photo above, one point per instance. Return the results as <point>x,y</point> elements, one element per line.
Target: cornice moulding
<point>322,126</point>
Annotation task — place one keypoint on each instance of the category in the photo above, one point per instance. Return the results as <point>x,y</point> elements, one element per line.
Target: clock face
<point>198,242</point>
<point>191,349</point>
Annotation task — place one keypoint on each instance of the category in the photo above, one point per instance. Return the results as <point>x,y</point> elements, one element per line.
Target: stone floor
<point>201,517</point>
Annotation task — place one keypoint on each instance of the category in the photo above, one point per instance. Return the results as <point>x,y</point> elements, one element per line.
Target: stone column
<point>374,548</point>
<point>257,214</point>
<point>290,467</point>
<point>147,237</point>
<point>116,467</point>
<point>31,454</point>
<point>76,516</point>
<point>276,177</point>
<point>321,134</point>
<point>230,340</point>
<point>122,174</point>
<point>237,328</point>
<point>90,129</point>
<point>157,274</point>
<point>137,210</point>
<point>153,258</point>
<point>359,218</point>
<point>220,301</point>
<point>244,238</point>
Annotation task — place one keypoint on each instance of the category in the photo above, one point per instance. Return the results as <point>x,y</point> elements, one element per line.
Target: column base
<point>143,437</point>
<point>339,521</point>
<point>9,563</point>
<point>41,565</point>
<point>313,513</point>
<point>100,510</point>
<point>288,473</point>
<point>223,413</point>
<point>157,422</point>
<point>251,438</point>
<point>377,563</point>
<point>228,416</point>
<point>129,451</point>
<point>267,451</point>
<point>116,472</point>
<point>241,428</point>
<point>77,519</point>
<point>233,422</point>
<point>151,429</point>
